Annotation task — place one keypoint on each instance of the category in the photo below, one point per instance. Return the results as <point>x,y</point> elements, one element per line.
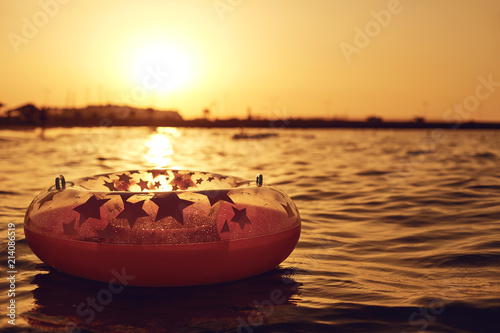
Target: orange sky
<point>282,58</point>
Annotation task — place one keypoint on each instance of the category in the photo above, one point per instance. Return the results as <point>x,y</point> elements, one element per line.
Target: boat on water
<point>253,136</point>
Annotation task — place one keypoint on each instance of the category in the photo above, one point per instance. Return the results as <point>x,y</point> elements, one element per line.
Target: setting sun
<point>161,69</point>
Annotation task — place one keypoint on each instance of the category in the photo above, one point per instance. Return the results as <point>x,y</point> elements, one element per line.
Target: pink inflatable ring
<point>162,227</point>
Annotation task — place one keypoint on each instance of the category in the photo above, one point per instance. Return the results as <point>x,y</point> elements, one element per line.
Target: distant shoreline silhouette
<point>29,116</point>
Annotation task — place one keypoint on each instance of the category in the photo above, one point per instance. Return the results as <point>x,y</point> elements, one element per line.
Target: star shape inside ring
<point>171,205</point>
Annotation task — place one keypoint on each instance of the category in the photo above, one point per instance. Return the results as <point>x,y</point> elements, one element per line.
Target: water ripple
<point>391,231</point>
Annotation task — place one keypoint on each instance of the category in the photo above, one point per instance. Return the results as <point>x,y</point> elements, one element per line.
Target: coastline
<point>246,123</point>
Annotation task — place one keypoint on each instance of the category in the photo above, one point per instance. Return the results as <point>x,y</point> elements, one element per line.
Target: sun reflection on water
<point>160,149</point>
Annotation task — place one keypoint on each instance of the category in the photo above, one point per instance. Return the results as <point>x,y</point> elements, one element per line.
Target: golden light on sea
<point>160,148</point>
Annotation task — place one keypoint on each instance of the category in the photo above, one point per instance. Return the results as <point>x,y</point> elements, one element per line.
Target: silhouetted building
<point>27,114</point>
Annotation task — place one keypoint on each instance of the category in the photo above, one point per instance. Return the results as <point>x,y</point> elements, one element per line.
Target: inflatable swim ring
<point>162,227</point>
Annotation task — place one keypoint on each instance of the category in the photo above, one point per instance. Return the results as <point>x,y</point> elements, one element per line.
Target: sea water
<point>400,231</point>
